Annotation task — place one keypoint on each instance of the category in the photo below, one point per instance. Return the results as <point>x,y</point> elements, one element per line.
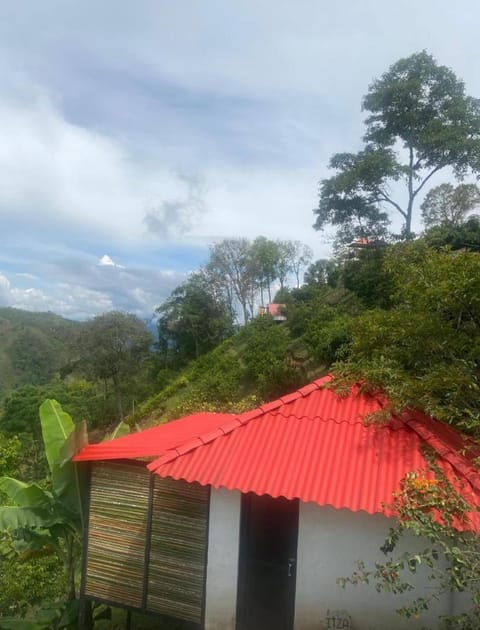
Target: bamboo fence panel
<point>178,545</point>
<point>117,532</point>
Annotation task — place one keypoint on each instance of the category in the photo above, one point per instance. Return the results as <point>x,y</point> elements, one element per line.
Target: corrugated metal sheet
<point>315,446</point>
<point>155,441</point>
<point>178,549</point>
<point>117,530</point>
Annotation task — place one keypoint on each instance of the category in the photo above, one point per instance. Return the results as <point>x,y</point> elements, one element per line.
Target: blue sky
<point>134,135</point>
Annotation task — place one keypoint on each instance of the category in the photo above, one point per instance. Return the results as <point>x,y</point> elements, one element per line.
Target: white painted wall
<point>222,566</point>
<point>329,543</point>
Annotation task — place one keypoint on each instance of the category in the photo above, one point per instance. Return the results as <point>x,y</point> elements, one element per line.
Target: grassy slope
<point>222,380</point>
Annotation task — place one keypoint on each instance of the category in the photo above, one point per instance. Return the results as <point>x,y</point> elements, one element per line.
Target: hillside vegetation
<point>33,347</point>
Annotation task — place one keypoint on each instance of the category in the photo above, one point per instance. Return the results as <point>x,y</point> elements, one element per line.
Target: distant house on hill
<point>277,311</point>
<point>246,522</point>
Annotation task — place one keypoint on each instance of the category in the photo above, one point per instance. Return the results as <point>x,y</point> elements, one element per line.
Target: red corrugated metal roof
<point>155,441</point>
<point>276,310</point>
<point>315,446</point>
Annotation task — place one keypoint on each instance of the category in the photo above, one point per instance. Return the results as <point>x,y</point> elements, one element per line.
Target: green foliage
<point>329,335</point>
<point>114,347</point>
<point>465,236</point>
<point>10,454</point>
<point>322,272</point>
<point>350,199</point>
<point>29,585</point>
<point>33,347</point>
<point>33,357</point>
<point>193,320</point>
<point>418,110</point>
<point>80,398</point>
<point>257,363</point>
<point>322,318</point>
<point>366,276</point>
<point>424,350</point>
<point>430,508</point>
<point>265,353</point>
<point>39,521</point>
<point>448,205</point>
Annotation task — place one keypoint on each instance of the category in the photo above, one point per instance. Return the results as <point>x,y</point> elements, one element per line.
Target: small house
<point>245,522</point>
<point>276,311</point>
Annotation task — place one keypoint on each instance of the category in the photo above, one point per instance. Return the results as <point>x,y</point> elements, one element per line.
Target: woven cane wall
<point>178,549</point>
<point>116,533</point>
<point>171,580</point>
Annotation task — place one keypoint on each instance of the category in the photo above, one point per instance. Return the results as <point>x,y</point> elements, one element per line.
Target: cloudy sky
<point>135,134</point>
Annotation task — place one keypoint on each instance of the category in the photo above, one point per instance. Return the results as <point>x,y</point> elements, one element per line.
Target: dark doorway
<point>268,552</point>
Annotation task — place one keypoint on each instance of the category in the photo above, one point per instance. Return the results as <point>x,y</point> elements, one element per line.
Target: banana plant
<point>41,521</point>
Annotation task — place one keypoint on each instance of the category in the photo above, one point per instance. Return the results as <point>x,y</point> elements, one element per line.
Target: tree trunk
<point>411,197</point>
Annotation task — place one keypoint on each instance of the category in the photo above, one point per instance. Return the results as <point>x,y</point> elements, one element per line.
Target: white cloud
<point>250,99</point>
<point>106,261</point>
<point>61,179</point>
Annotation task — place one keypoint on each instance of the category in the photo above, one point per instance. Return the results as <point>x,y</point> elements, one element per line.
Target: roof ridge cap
<point>195,442</point>
<point>455,459</point>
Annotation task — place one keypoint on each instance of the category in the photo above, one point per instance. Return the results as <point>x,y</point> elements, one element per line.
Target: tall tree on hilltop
<point>266,255</point>
<point>420,122</point>
<point>232,259</point>
<point>301,257</point>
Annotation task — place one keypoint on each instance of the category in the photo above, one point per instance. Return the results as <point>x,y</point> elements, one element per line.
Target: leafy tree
<point>366,276</point>
<point>192,320</point>
<point>114,346</point>
<point>301,256</point>
<point>449,205</point>
<point>464,236</point>
<point>265,354</point>
<point>424,350</point>
<point>322,272</point>
<point>266,257</point>
<point>231,259</point>
<point>420,121</point>
<point>287,252</point>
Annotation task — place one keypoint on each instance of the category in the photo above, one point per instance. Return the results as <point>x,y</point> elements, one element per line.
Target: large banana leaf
<point>13,517</point>
<point>24,494</point>
<point>57,426</point>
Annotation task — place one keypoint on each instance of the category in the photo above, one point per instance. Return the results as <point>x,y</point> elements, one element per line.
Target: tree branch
<point>384,197</point>
<point>435,170</point>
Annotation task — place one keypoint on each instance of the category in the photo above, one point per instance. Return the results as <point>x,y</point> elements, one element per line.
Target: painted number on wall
<point>338,619</point>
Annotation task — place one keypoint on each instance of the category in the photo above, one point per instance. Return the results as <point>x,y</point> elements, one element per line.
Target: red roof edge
<point>238,421</point>
<point>441,446</point>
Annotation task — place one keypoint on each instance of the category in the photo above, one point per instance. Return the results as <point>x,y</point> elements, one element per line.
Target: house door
<point>268,552</point>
